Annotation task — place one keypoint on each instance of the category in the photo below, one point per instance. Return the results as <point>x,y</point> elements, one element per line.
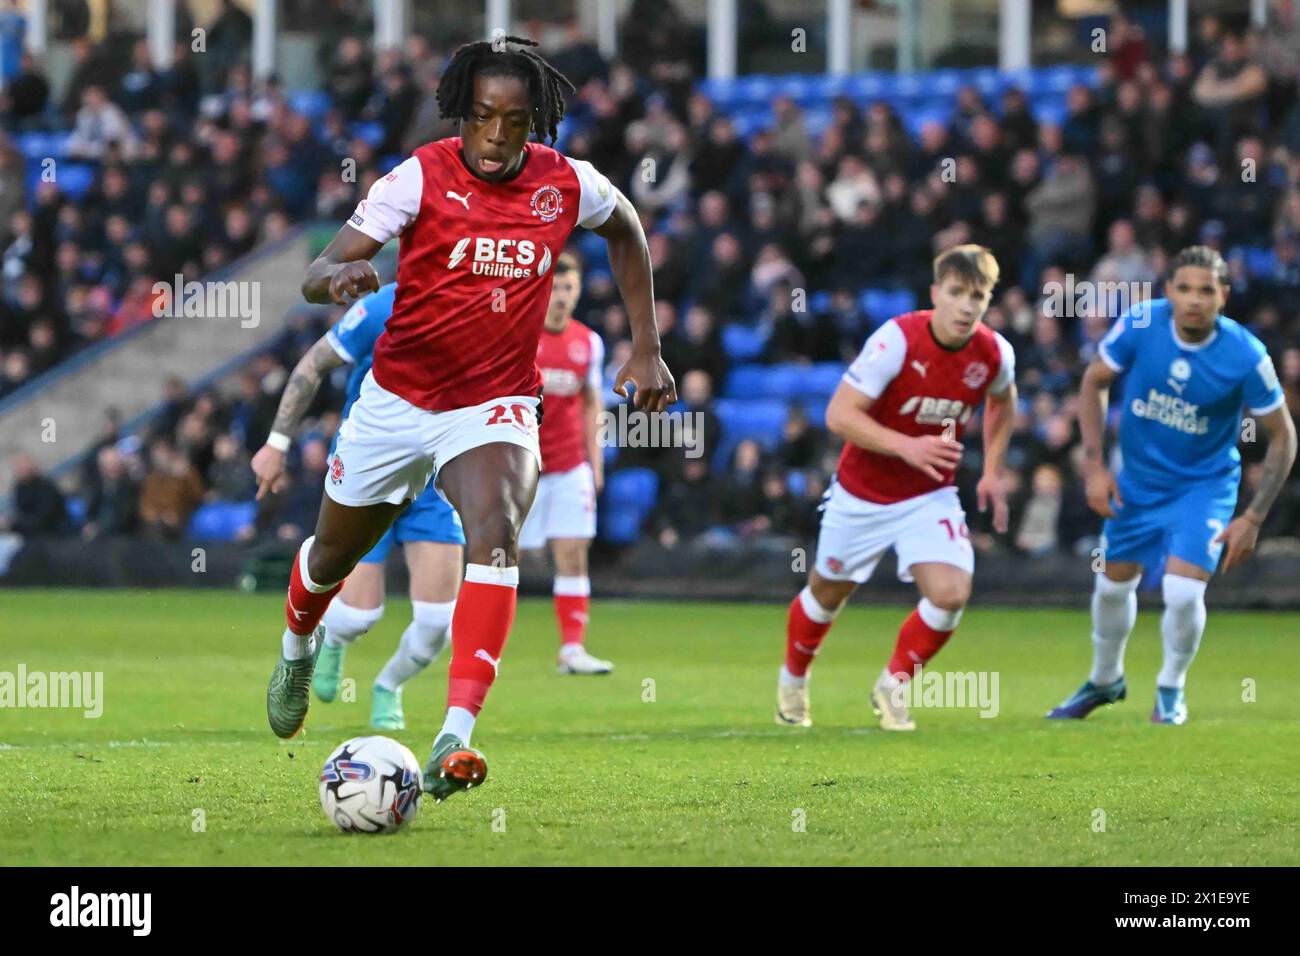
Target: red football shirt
<point>473,269</point>
<point>920,388</point>
<point>570,361</point>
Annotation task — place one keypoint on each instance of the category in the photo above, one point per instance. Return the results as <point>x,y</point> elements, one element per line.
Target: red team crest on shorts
<point>336,470</point>
<point>836,565</point>
<point>976,374</point>
<point>547,203</point>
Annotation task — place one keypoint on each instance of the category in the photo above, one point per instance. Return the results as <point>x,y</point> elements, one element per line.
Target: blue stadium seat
<point>758,89</point>
<point>221,520</point>
<point>821,380</point>
<point>883,304</point>
<point>312,104</point>
<point>371,134</point>
<point>76,506</point>
<point>632,487</point>
<point>75,179</point>
<point>628,500</point>
<point>741,343</point>
<point>815,409</point>
<point>819,302</point>
<point>34,145</point>
<point>866,86</point>
<point>796,481</point>
<point>1260,260</point>
<point>780,381</point>
<point>745,381</point>
<point>760,419</point>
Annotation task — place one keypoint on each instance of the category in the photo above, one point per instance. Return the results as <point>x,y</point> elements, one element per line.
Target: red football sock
<point>918,642</point>
<point>803,633</point>
<point>571,610</point>
<point>480,625</point>
<point>572,596</point>
<point>307,600</point>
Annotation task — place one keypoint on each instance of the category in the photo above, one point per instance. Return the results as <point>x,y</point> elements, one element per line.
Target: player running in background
<point>429,530</point>
<point>902,408</point>
<point>1189,370</point>
<point>454,390</point>
<point>572,359</point>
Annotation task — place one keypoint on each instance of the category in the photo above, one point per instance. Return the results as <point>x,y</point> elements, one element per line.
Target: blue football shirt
<point>357,332</point>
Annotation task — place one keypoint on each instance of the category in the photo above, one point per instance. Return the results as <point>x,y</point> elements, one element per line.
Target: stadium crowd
<point>778,233</point>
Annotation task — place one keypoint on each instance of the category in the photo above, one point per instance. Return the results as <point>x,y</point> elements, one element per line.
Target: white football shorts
<point>565,507</point>
<point>855,534</point>
<point>388,448</point>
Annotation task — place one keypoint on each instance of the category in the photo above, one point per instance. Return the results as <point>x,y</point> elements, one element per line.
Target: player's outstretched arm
<point>849,416</point>
<point>304,382</point>
<point>343,272</point>
<point>629,259</point>
<point>1100,485</point>
<point>999,422</point>
<point>1242,532</point>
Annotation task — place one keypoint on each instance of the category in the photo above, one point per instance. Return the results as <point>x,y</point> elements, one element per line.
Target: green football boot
<point>329,671</point>
<point>453,767</point>
<point>289,691</point>
<point>386,709</point>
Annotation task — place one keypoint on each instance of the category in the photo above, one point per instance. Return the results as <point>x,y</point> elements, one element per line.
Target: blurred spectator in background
<point>100,124</point>
<point>112,508</point>
<point>39,509</point>
<point>170,492</point>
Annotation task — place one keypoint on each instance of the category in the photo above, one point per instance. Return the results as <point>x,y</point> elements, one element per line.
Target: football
<point>370,785</point>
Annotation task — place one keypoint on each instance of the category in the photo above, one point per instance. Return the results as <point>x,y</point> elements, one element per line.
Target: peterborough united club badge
<point>547,204</point>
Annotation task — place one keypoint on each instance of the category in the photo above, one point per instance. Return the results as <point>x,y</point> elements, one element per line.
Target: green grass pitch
<point>589,771</point>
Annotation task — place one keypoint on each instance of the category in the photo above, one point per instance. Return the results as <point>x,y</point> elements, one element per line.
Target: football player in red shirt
<point>572,359</point>
<point>901,409</point>
<point>454,389</point>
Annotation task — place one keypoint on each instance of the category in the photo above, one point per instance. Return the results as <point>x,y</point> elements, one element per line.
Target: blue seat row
<point>629,498</point>
<point>784,382</point>
<point>876,84</point>
<point>221,520</point>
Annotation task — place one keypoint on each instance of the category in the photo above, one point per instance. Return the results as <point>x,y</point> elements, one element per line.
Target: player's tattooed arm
<point>1241,534</point>
<point>304,382</point>
<point>629,260</point>
<point>1100,485</point>
<point>343,273</point>
<point>1278,460</point>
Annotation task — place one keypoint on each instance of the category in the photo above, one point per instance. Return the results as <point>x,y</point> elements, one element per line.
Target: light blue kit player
<point>1189,371</point>
<point>429,530</point>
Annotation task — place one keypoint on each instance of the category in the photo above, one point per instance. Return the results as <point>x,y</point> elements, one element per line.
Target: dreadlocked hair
<point>546,84</point>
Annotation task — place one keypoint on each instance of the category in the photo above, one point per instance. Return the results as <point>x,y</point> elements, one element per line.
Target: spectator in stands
<point>685,509</point>
<point>802,442</point>
<point>39,509</point>
<point>1231,91</point>
<point>1061,210</point>
<point>25,96</point>
<point>170,492</point>
<point>112,508</point>
<point>101,125</point>
<point>229,476</point>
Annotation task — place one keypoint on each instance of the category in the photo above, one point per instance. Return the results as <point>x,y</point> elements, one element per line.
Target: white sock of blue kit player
<point>422,641</point>
<point>345,623</point>
<point>1114,611</point>
<point>1181,627</point>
